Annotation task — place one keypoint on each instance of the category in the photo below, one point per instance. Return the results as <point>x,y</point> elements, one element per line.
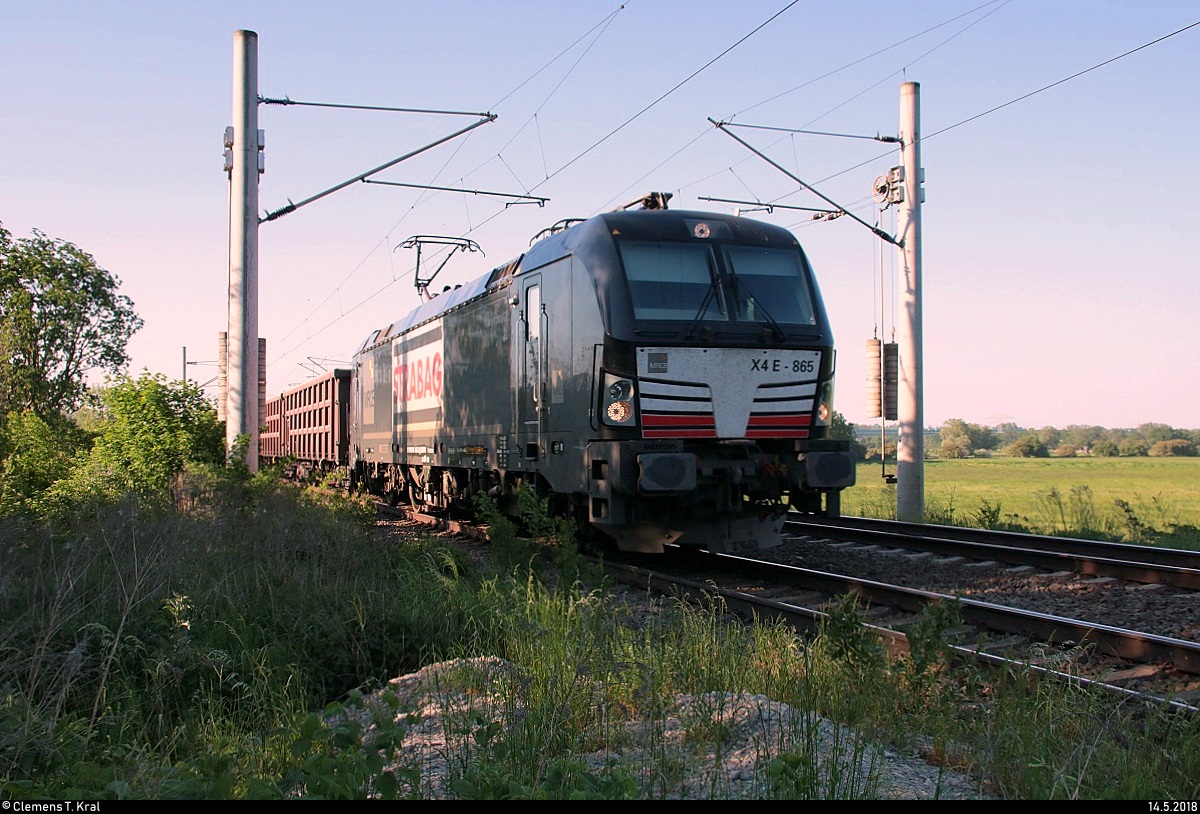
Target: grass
<point>1141,500</point>
<point>231,651</point>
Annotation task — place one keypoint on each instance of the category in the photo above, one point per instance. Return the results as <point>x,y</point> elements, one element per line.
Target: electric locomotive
<point>662,376</point>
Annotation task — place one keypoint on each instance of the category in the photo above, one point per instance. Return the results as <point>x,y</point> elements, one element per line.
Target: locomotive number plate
<point>736,367</point>
<point>782,364</point>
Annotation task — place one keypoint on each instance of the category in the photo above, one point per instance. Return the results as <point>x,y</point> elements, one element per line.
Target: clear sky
<point>1061,254</point>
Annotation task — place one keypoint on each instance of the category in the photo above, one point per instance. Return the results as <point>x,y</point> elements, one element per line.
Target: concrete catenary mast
<point>241,408</point>
<point>910,448</point>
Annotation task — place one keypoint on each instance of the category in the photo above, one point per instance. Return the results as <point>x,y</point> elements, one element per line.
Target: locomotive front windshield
<point>672,281</point>
<point>708,282</point>
<point>768,284</point>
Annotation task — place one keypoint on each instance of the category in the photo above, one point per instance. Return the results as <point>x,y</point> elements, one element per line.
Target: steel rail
<point>1143,564</point>
<point>749,605</point>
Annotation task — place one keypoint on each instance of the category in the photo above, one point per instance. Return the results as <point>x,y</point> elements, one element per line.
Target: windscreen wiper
<point>738,287</point>
<point>704,304</point>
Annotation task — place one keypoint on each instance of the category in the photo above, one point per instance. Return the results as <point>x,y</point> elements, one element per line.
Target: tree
<point>1115,436</point>
<point>149,429</point>
<point>1152,433</point>
<point>1134,448</point>
<point>842,430</point>
<point>60,318</point>
<point>875,452</point>
<point>1029,446</point>
<point>1007,432</point>
<point>1081,436</point>
<point>956,440</point>
<point>1051,437</point>
<point>961,439</point>
<point>982,437</point>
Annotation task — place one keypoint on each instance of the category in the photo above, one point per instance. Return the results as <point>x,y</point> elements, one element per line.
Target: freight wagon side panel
<point>271,438</point>
<point>313,419</point>
<point>341,417</point>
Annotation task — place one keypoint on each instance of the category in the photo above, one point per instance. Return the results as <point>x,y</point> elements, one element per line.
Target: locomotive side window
<point>533,347</point>
<point>533,310</point>
<point>671,281</point>
<point>769,279</point>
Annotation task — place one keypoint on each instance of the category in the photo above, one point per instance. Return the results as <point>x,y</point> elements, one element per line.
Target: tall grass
<point>242,649</point>
<point>131,632</point>
<point>1149,501</point>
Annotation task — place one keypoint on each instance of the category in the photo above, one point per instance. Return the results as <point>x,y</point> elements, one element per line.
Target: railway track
<point>1121,659</point>
<point>1130,587</point>
<point>1143,564</point>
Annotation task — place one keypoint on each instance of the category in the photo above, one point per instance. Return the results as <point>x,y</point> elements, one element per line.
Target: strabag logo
<point>418,379</point>
<point>417,371</point>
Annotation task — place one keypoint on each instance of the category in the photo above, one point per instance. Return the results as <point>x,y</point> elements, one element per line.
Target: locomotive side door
<point>531,398</point>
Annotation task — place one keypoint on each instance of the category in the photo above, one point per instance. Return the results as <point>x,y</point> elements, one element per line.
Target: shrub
<point>958,447</point>
<point>1174,448</point>
<point>35,453</point>
<point>146,433</point>
<point>1028,446</point>
<point>1133,448</point>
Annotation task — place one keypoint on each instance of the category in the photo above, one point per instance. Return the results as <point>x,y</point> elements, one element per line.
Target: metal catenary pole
<point>910,446</point>
<point>241,409</point>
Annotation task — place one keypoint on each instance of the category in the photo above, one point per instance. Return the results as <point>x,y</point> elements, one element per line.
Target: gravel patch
<point>1163,611</point>
<point>445,704</point>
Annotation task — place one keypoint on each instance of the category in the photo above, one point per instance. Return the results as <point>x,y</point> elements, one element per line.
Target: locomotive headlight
<point>619,390</point>
<point>824,404</point>
<point>617,401</point>
<point>618,412</point>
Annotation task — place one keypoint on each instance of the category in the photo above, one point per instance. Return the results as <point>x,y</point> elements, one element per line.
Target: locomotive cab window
<point>672,281</point>
<point>769,284</point>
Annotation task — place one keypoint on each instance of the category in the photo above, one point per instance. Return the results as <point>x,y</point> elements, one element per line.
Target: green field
<point>1131,499</point>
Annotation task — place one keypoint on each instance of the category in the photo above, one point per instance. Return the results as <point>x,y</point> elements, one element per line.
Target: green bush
<point>1175,447</point>
<point>36,453</point>
<point>147,432</point>
<point>1134,448</point>
<point>1028,446</point>
<point>150,429</point>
